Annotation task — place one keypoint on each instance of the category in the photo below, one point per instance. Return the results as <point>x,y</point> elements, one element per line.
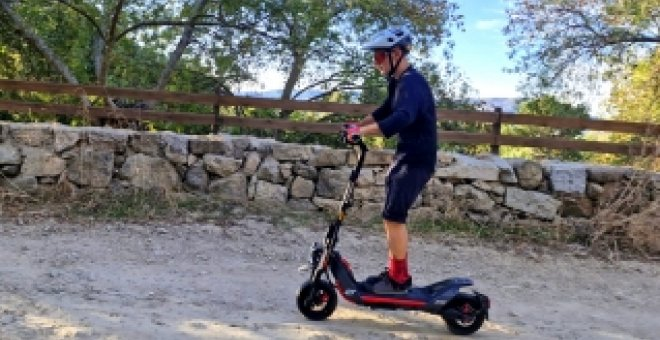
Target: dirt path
<point>239,282</point>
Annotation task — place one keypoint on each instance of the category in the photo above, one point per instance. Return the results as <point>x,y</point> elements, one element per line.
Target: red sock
<point>398,269</point>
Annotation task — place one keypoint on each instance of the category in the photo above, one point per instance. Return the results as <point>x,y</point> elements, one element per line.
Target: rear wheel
<point>317,301</point>
<point>464,316</point>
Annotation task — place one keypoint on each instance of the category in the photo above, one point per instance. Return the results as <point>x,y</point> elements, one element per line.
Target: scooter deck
<point>416,297</point>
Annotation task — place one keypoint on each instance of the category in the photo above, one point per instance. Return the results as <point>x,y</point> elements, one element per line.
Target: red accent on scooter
<point>346,264</point>
<point>341,291</point>
<point>393,301</point>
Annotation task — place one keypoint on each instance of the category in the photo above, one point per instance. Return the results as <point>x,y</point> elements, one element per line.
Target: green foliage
<point>635,99</point>
<point>545,106</point>
<point>131,204</point>
<point>636,95</point>
<point>512,232</point>
<point>142,205</point>
<point>448,225</point>
<point>303,36</point>
<point>565,44</point>
<point>236,41</point>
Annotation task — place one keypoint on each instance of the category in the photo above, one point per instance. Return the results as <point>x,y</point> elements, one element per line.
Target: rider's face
<point>379,56</point>
<point>382,59</point>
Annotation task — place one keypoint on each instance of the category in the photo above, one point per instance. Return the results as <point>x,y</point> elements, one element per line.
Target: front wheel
<point>464,316</point>
<point>317,301</point>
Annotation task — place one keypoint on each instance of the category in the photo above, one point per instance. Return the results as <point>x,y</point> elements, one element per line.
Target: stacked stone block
<point>487,189</point>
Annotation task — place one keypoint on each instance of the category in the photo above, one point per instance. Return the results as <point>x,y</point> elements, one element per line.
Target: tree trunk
<point>106,56</point>
<point>42,47</point>
<point>109,43</point>
<point>294,76</point>
<point>97,55</point>
<point>184,41</point>
<point>39,43</point>
<point>175,56</point>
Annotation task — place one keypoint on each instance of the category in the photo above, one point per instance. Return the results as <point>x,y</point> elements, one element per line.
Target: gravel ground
<point>239,281</point>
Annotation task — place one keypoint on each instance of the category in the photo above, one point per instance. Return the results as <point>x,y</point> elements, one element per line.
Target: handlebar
<point>356,140</point>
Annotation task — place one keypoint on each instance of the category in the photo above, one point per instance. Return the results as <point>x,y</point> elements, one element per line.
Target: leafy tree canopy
<point>559,42</point>
<point>636,96</point>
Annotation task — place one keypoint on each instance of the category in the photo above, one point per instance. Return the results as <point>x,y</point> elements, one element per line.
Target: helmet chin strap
<point>393,67</point>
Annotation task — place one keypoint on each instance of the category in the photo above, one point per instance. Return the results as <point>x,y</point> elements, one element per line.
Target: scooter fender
<point>443,291</point>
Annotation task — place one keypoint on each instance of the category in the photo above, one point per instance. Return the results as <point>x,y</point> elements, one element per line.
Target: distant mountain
<point>489,104</point>
<point>274,94</point>
<point>485,104</point>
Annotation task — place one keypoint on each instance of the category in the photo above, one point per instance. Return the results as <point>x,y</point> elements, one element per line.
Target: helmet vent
<point>389,38</point>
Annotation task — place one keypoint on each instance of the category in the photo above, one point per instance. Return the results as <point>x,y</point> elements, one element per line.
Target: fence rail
<point>496,119</point>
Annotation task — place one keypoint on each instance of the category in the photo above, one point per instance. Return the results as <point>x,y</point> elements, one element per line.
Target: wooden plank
<point>278,124</point>
<point>99,112</point>
<point>646,129</point>
<point>208,119</point>
<point>354,110</point>
<point>469,116</point>
<point>182,97</point>
<point>465,137</point>
<point>176,117</point>
<point>551,143</point>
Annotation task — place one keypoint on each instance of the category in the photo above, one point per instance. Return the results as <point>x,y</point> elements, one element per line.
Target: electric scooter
<point>463,312</point>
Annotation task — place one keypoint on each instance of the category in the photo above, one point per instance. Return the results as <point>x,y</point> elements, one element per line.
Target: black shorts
<point>403,184</point>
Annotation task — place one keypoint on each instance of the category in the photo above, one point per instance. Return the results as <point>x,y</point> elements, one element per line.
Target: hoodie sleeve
<point>404,110</point>
<point>386,108</point>
<point>382,111</point>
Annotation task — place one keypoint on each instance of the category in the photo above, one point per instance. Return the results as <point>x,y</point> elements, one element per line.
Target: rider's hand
<point>351,130</point>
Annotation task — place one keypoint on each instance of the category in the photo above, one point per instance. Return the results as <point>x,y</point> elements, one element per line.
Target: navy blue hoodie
<point>409,111</point>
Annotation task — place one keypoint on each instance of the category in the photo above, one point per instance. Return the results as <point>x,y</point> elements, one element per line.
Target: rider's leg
<point>397,244</point>
<point>403,185</point>
<point>397,239</point>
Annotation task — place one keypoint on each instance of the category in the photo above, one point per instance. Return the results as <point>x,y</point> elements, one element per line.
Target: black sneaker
<point>367,284</point>
<point>383,284</point>
<point>371,280</point>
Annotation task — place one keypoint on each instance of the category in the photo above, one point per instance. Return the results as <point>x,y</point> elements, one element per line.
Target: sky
<point>481,52</point>
<point>481,55</point>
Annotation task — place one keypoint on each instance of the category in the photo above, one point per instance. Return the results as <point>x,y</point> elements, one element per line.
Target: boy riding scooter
<point>409,112</point>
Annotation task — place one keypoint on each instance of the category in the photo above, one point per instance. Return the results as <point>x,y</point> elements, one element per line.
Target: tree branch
<point>633,39</point>
<point>336,89</point>
<point>39,43</point>
<point>115,20</point>
<point>156,23</point>
<point>42,47</point>
<point>175,56</point>
<point>246,27</point>
<point>250,27</point>
<point>332,77</point>
<point>85,15</point>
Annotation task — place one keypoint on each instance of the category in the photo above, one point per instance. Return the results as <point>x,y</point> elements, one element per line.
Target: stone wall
<point>486,189</point>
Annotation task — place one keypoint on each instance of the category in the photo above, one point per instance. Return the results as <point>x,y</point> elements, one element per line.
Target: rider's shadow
<point>381,321</point>
<point>403,324</point>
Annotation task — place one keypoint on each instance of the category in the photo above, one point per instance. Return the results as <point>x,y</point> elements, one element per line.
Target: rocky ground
<point>162,280</point>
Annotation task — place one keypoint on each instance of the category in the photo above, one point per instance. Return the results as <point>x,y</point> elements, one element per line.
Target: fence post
<point>497,130</point>
<point>216,112</point>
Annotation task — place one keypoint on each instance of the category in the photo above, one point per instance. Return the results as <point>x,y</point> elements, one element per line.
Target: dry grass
<point>629,221</point>
<point>626,225</point>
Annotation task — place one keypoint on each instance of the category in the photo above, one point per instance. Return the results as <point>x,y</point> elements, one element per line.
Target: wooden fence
<point>494,138</point>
